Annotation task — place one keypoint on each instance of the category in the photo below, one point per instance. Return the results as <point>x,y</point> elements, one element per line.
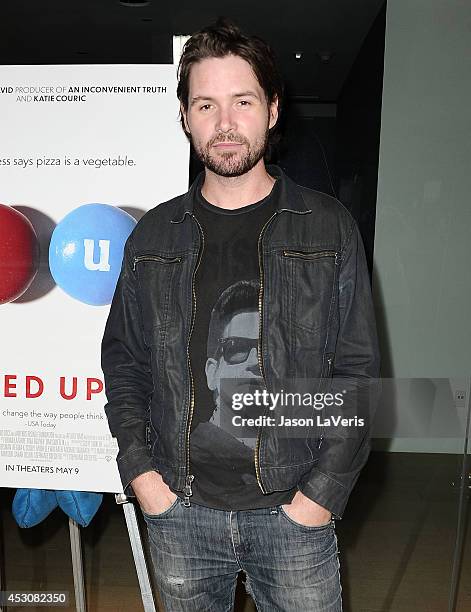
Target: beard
<point>232,163</point>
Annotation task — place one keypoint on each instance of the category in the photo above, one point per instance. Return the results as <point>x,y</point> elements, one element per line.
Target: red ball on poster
<point>19,254</point>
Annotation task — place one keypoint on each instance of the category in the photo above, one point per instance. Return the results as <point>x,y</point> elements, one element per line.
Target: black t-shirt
<point>223,345</point>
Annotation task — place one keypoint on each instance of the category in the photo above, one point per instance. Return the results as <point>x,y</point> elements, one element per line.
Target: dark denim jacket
<point>316,322</point>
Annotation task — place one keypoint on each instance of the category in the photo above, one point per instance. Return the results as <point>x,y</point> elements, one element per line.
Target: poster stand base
<point>138,552</point>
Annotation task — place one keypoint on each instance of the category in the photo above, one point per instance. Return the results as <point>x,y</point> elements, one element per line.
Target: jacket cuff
<point>133,464</point>
<point>326,491</point>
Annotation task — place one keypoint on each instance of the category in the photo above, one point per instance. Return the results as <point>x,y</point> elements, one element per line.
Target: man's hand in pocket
<point>152,493</point>
<point>306,511</point>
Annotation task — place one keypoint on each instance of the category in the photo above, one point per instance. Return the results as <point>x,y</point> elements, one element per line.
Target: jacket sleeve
<point>125,362</point>
<point>344,448</point>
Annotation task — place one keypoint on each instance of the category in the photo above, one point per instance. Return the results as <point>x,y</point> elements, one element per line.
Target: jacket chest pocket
<point>157,275</point>
<point>311,278</point>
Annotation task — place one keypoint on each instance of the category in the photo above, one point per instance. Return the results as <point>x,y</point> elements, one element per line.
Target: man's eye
<point>205,107</point>
<point>244,102</point>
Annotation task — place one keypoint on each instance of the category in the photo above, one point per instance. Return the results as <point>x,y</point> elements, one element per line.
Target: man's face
<point>228,117</point>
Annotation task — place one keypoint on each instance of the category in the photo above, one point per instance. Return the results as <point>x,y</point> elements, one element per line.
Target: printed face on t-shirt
<point>237,357</point>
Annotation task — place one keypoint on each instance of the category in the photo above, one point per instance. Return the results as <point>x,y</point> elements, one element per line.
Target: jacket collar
<point>288,198</point>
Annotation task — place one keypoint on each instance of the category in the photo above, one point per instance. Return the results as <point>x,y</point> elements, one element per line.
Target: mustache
<point>227,138</point>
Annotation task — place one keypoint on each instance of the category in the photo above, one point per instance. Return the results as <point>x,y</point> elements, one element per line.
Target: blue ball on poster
<point>86,251</point>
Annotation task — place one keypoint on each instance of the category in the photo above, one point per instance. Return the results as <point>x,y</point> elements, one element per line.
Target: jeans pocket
<point>164,513</point>
<point>285,515</point>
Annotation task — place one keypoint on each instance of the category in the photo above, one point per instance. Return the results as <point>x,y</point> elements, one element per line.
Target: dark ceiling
<point>105,31</point>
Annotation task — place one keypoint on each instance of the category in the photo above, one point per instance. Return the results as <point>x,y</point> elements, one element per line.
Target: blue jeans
<point>197,553</point>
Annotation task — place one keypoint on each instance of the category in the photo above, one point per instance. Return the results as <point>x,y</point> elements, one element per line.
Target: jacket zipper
<point>260,360</point>
<point>139,258</point>
<point>190,477</point>
<point>329,366</point>
<point>307,255</point>
<point>326,376</point>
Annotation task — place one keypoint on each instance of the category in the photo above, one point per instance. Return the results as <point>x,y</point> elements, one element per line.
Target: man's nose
<point>225,119</point>
<point>251,364</point>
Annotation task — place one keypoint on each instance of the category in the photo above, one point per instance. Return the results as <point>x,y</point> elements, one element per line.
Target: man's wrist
<point>145,476</point>
<point>311,504</point>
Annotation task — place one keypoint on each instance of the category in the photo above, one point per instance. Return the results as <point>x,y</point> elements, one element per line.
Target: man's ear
<point>185,120</point>
<point>273,112</point>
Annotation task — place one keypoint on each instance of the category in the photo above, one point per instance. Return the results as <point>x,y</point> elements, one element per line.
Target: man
<point>239,221</point>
